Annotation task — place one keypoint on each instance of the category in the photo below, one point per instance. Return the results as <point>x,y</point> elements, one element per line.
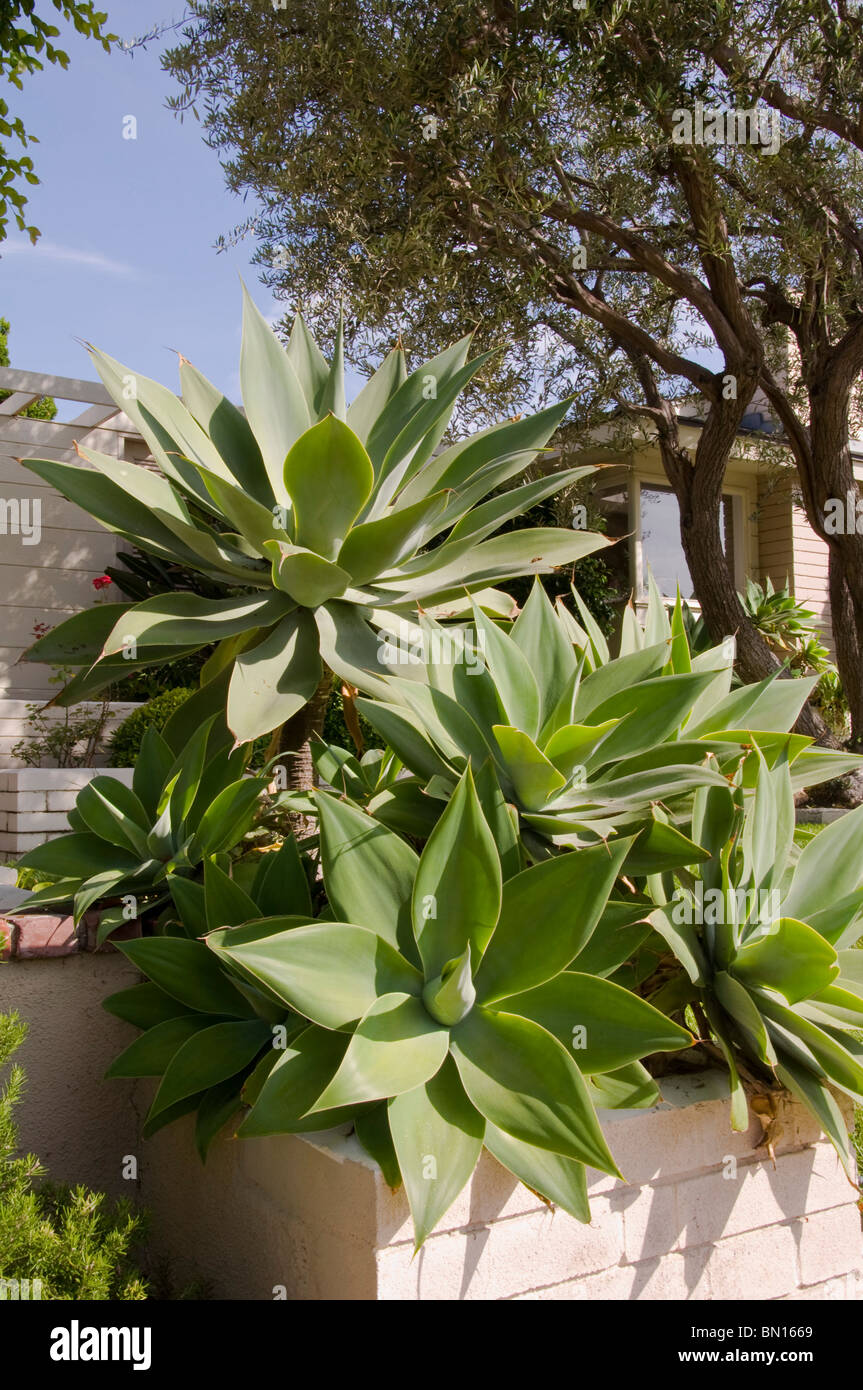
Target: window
<point>661,548</point>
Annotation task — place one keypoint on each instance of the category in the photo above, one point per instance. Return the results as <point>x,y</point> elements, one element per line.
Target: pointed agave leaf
<point>520,1078</point>
<point>534,779</point>
<point>615,676</point>
<point>78,640</point>
<point>275,679</point>
<point>276,407</point>
<point>281,885</point>
<point>182,619</point>
<point>188,899</point>
<point>151,1053</point>
<point>512,675</point>
<point>329,476</point>
<point>816,1096</point>
<point>225,902</point>
<point>308,362</point>
<point>627,1088</point>
<point>790,958</point>
<point>546,648</point>
<point>308,579</point>
<point>739,1004</point>
<point>410,398</point>
<point>77,856</point>
<point>502,819</point>
<point>114,813</point>
<point>332,972</point>
<point>405,734</point>
<point>296,1077</point>
<point>508,556</point>
<point>373,547</point>
<point>369,872</point>
<point>152,768</point>
<point>621,929</point>
<point>438,1138</point>
<point>547,916</point>
<point>598,644</point>
<point>830,858</point>
<point>211,1055</point>
<point>350,648</point>
<point>602,1024</point>
<point>769,704</point>
<point>381,387</point>
<point>144,1006</point>
<point>457,891</point>
<point>187,971</point>
<point>396,1047</point>
<point>331,399</point>
<point>482,521</point>
<point>560,1180</point>
<point>216,1108</point>
<point>230,432</point>
<point>372,1128</point>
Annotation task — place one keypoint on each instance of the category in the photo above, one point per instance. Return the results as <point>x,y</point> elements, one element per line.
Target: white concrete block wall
<point>35,802</point>
<point>14,723</point>
<point>314,1215</point>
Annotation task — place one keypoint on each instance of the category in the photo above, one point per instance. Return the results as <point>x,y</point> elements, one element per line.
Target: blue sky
<point>126,258</point>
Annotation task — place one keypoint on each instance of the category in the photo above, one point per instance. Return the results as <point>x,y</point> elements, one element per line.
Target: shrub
<point>73,1241</point>
<point>126,740</point>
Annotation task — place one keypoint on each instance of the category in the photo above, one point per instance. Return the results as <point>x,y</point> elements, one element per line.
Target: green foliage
<point>586,745</point>
<point>77,1245</point>
<point>45,407</point>
<point>125,743</point>
<point>25,46</point>
<point>767,955</point>
<point>72,741</point>
<point>335,730</point>
<point>790,628</point>
<point>318,520</point>
<point>189,799</point>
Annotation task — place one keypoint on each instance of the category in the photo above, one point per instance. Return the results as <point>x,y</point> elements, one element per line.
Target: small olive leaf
<point>547,916</point>
<point>602,1025</point>
<point>369,872</point>
<point>451,994</point>
<point>297,1076</point>
<point>211,1055</point>
<point>438,1137</point>
<point>329,478</point>
<point>560,1180</point>
<point>522,1080</point>
<point>395,1047</point>
<point>331,972</point>
<point>457,891</point>
<point>789,957</point>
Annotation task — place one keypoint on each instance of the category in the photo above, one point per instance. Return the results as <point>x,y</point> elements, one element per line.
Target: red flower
<point>102,581</point>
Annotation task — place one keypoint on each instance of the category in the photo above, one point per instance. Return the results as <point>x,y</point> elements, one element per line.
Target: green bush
<point>77,1245</point>
<point>125,744</point>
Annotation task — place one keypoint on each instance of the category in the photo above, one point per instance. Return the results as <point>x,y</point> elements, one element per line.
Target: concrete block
<point>830,1244</point>
<point>762,1264</point>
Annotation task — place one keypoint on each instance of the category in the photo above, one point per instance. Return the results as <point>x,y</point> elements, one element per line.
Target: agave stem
<point>294,738</point>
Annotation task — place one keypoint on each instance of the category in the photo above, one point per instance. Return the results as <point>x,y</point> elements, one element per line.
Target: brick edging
<point>40,936</point>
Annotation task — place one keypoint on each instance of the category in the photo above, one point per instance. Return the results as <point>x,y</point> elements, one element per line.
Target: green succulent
<point>765,939</point>
<point>584,745</point>
<point>203,1030</point>
<point>447,1008</point>
<point>315,517</point>
<point>189,799</point>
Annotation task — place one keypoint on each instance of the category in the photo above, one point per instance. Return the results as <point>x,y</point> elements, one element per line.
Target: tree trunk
<point>294,740</point>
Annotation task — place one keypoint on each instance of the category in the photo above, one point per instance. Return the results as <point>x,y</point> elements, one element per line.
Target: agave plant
<point>188,800</point>
<point>585,745</point>
<point>764,939</point>
<point>314,517</point>
<point>446,1008</point>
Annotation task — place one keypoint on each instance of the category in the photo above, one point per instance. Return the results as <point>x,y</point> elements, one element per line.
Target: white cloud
<point>50,251</point>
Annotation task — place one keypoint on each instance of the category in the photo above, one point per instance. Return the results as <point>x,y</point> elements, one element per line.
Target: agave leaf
<point>275,679</point>
<point>543,643</point>
<point>294,1080</point>
<point>602,1024</point>
<point>560,1180</point>
<point>396,1047</point>
<point>816,1096</point>
<point>438,1138</point>
<point>534,778</point>
<point>180,619</point>
<point>151,1053</point>
<point>373,547</point>
<point>547,916</point>
<point>187,971</point>
<point>216,1108</point>
<point>230,432</point>
<point>143,1006</point>
<point>275,404</point>
<point>369,872</point>
<point>380,388</point>
<point>77,856</point>
<point>615,676</point>
<point>211,1055</point>
<point>520,1078</point>
<point>457,890</point>
<point>329,476</point>
<point>791,958</point>
<point>831,857</point>
<point>332,972</point>
<point>114,813</point>
<point>628,1088</point>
